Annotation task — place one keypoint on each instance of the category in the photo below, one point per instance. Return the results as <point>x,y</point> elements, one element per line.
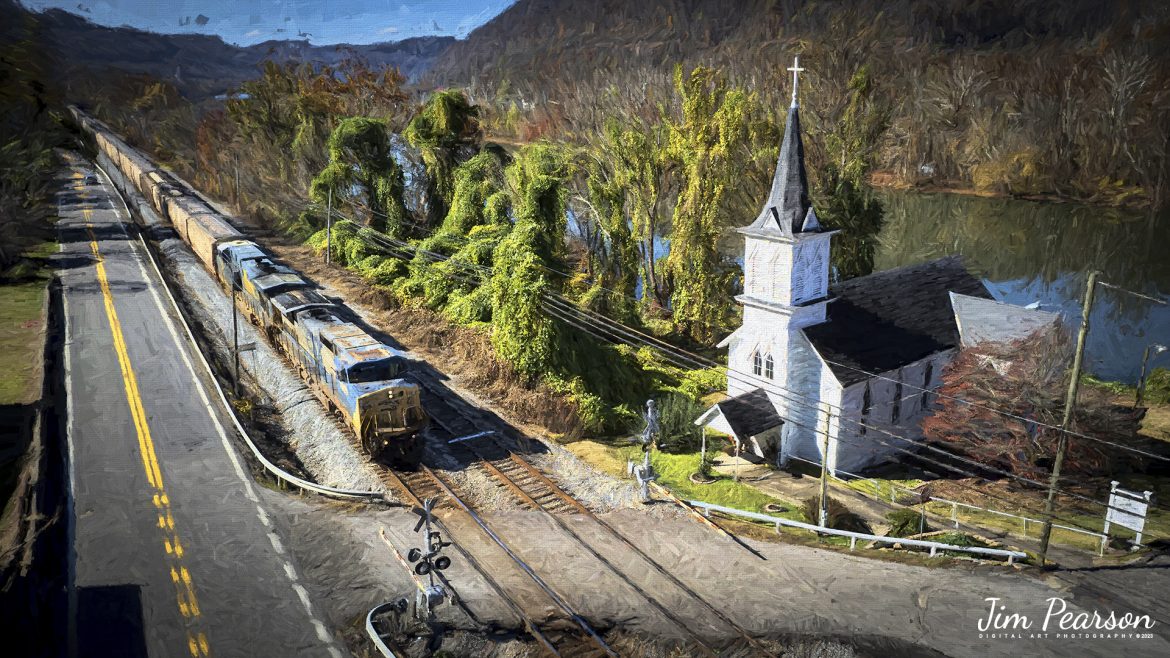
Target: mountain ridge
<point>203,66</point>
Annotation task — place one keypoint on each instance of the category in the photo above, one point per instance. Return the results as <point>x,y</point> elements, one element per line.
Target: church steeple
<point>788,210</point>
<point>786,250</point>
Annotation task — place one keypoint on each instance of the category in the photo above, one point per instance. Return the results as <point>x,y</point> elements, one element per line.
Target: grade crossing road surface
<point>174,553</point>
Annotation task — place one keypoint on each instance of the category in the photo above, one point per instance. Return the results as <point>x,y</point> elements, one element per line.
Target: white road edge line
<point>227,446</point>
<point>70,504</point>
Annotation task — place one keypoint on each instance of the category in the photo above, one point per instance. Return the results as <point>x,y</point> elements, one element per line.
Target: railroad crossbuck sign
<point>1128,510</point>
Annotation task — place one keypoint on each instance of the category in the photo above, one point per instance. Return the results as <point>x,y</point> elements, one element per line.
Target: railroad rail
<point>537,491</point>
<point>425,483</point>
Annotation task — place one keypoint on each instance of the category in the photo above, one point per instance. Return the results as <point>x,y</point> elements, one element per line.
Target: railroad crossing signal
<point>427,560</point>
<point>644,472</point>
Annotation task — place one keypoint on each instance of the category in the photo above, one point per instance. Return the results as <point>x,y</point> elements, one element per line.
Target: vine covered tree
<point>523,334</point>
<point>362,169</point>
<point>537,179</point>
<point>704,141</point>
<point>446,132</point>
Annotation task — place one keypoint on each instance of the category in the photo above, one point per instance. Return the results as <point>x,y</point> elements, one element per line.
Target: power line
<point>566,307</point>
<point>810,404</point>
<point>984,407</point>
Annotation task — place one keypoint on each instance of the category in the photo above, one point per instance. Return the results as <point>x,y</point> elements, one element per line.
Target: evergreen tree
<point>846,203</point>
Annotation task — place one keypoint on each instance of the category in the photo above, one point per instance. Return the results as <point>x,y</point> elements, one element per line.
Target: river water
<point>1028,252</point>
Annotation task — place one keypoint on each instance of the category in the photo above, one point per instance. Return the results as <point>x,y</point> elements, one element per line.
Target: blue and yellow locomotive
<point>353,373</point>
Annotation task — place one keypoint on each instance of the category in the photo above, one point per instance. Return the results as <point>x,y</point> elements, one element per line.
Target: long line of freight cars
<point>354,374</point>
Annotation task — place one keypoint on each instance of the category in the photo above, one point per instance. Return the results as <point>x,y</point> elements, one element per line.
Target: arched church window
<point>757,363</point>
<point>769,367</point>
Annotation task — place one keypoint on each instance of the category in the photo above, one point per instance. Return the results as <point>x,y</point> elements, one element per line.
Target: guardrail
<point>854,536</point>
<point>280,473</point>
<point>955,505</point>
<point>373,633</point>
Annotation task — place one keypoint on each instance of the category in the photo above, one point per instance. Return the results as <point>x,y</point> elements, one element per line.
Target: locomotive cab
<point>389,419</point>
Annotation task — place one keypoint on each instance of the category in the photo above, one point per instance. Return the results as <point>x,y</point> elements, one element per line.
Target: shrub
<point>469,308</point>
<point>906,522</point>
<point>1158,386</point>
<point>386,272</point>
<point>839,516</point>
<point>676,417</point>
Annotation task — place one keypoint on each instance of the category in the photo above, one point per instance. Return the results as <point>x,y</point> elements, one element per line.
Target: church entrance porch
<point>751,422</point>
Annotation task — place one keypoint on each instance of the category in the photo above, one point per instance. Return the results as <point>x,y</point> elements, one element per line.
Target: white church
<point>853,362</point>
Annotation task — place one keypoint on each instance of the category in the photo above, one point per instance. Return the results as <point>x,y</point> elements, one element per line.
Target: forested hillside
<point>577,161</point>
<point>203,66</point>
<point>1021,97</point>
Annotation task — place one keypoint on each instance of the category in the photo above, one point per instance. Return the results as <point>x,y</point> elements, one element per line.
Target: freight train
<point>354,374</point>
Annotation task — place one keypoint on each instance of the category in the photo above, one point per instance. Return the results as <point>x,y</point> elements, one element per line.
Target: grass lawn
<point>674,472</point>
<point>22,328</point>
<point>881,488</point>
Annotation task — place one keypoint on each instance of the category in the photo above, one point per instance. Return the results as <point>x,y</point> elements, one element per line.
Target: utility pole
<point>1141,385</point>
<point>1069,403</point>
<point>703,451</point>
<point>329,229</point>
<point>237,167</point>
<point>825,480</point>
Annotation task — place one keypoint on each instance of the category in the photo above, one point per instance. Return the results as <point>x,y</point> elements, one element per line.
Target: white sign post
<point>1128,510</point>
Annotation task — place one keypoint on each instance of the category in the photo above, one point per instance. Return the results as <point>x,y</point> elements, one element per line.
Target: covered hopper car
<point>354,374</point>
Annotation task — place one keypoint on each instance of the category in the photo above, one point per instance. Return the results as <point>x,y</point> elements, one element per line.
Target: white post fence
<point>934,546</point>
<point>955,505</point>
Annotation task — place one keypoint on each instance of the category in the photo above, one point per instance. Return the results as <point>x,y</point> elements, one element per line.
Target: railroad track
<point>558,637</point>
<point>533,489</point>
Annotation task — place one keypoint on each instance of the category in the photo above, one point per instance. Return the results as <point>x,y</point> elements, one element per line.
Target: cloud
<point>253,33</point>
<point>388,30</point>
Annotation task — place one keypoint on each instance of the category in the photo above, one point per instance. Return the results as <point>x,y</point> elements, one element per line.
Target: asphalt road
<point>174,554</point>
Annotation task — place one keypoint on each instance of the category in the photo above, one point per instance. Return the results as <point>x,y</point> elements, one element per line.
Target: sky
<point>247,22</point>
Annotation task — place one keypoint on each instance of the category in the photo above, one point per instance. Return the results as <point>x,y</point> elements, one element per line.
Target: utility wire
<point>874,375</point>
<point>564,307</point>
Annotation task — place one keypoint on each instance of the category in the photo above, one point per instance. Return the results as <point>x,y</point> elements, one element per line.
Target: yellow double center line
<point>188,604</point>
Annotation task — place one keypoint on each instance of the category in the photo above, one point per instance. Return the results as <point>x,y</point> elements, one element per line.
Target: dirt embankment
<point>449,348</point>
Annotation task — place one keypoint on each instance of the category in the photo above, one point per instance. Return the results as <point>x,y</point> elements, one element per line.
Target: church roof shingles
<point>749,414</point>
<point>886,320</point>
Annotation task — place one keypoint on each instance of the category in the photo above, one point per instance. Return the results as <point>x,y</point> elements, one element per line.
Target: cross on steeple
<point>796,70</point>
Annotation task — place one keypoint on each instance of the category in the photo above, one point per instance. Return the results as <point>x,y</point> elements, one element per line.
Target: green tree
<point>477,221</point>
<point>361,168</point>
<point>630,178</point>
<point>446,131</point>
<point>705,141</point>
<point>537,180</point>
<point>612,259</point>
<point>852,144</point>
<point>858,214</point>
<point>475,182</point>
<point>845,202</point>
<point>522,333</point>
